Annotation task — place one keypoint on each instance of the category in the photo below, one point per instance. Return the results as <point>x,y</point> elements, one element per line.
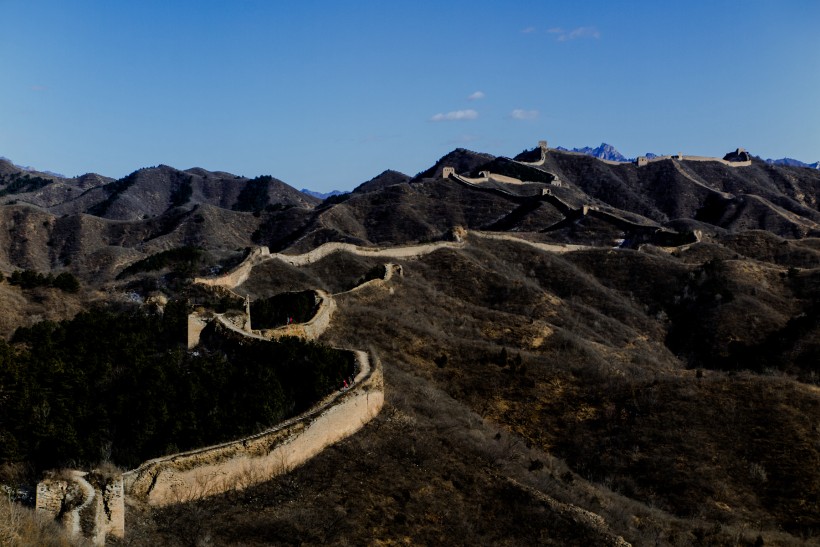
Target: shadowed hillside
<point>599,351</point>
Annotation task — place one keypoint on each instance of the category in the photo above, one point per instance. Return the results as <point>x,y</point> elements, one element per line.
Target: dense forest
<point>119,385</point>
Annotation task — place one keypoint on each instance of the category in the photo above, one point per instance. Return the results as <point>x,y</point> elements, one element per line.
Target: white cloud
<point>574,34</point>
<point>528,30</point>
<point>455,115</point>
<point>476,96</point>
<point>521,114</point>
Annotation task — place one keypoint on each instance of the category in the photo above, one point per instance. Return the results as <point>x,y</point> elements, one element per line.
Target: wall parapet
<point>643,160</point>
<point>240,274</point>
<point>257,458</point>
<point>543,148</point>
<point>311,329</point>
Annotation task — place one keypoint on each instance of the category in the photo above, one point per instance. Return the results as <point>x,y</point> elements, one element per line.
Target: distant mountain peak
<point>321,195</point>
<point>791,162</point>
<point>31,169</point>
<point>604,152</point>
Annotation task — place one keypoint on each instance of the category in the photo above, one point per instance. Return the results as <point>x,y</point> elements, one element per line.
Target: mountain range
<point>608,152</point>
<point>584,353</point>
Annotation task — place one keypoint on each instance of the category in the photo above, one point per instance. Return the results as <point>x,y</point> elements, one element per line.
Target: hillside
<point>574,353</point>
<point>526,388</point>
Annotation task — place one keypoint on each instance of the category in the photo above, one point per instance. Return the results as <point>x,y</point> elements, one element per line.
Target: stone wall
<point>50,496</point>
<point>89,505</point>
<point>643,160</point>
<point>542,145</point>
<point>240,274</point>
<point>476,183</point>
<point>258,458</point>
<point>390,270</point>
<point>310,330</point>
<point>719,160</point>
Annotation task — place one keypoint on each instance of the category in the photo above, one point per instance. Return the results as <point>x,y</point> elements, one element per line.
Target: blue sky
<point>327,94</point>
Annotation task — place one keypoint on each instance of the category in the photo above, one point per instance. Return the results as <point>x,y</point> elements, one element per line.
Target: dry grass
<point>20,526</point>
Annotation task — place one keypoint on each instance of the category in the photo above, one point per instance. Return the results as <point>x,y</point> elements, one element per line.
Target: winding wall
<point>245,462</point>
<point>240,274</point>
<point>475,183</point>
<point>680,157</point>
<point>311,329</point>
<point>549,247</point>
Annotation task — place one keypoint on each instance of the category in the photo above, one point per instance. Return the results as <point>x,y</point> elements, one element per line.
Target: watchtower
<point>641,161</point>
<point>447,171</point>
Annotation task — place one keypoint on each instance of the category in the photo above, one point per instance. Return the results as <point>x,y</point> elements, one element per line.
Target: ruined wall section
<point>242,463</point>
<point>196,324</point>
<point>89,505</point>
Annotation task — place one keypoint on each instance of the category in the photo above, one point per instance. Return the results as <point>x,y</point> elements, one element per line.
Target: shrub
<point>29,279</point>
<point>19,183</point>
<point>184,260</point>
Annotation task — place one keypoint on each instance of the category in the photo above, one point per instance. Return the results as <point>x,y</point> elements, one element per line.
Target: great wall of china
<point>97,510</point>
<point>92,504</point>
<point>257,458</point>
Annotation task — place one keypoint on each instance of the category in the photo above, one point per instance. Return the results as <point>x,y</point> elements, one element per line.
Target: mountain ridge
<point>639,343</point>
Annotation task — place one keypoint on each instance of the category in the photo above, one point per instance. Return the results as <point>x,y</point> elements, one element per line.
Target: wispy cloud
<point>478,95</point>
<point>562,35</point>
<point>455,115</point>
<point>528,30</point>
<point>521,114</point>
